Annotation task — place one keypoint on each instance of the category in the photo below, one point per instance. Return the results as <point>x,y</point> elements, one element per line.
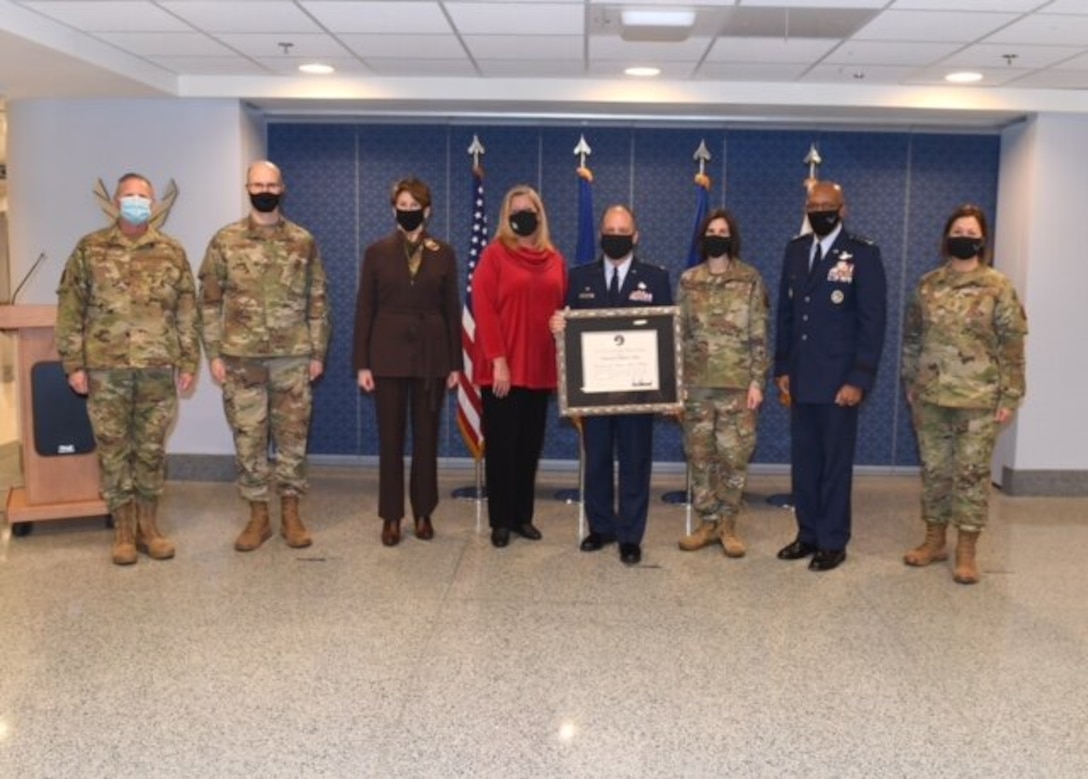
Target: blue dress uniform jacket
<point>830,323</point>
<point>830,332</point>
<point>628,437</point>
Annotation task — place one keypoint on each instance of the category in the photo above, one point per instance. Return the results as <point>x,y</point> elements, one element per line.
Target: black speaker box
<point>61,424</point>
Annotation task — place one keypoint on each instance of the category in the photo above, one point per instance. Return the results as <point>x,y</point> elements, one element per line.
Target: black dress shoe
<point>630,554</point>
<point>528,531</point>
<point>827,559</point>
<point>795,551</point>
<point>500,536</point>
<point>424,528</point>
<point>595,541</point>
<point>390,532</point>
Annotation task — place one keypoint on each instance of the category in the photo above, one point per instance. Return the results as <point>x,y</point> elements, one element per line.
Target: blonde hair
<point>507,236</point>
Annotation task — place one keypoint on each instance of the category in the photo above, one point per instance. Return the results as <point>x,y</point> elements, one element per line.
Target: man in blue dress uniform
<point>832,307</point>
<point>619,279</point>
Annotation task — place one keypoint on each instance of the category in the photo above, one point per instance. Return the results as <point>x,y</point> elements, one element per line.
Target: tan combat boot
<point>257,531</point>
<point>124,534</point>
<point>293,529</point>
<point>966,571</point>
<point>148,538</point>
<point>731,544</point>
<point>704,535</point>
<point>932,549</point>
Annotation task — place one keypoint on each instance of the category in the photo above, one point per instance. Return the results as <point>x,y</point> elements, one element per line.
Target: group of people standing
<point>130,320</point>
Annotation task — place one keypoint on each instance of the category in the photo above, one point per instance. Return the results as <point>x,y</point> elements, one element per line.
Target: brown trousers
<point>394,399</point>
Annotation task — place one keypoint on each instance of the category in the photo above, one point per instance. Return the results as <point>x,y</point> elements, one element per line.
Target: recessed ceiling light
<point>635,18</point>
<point>963,77</point>
<point>643,72</point>
<point>317,69</point>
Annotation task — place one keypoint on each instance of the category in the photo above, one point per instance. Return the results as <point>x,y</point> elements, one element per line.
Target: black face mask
<point>410,220</point>
<point>524,223</point>
<point>963,247</point>
<point>616,247</point>
<point>265,202</point>
<point>823,222</point>
<point>717,246</point>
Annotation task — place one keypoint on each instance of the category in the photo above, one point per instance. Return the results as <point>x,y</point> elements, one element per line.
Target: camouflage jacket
<point>127,303</point>
<point>262,293</point>
<point>963,340</point>
<point>723,327</point>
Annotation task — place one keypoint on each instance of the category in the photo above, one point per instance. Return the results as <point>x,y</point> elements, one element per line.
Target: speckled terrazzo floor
<point>451,658</point>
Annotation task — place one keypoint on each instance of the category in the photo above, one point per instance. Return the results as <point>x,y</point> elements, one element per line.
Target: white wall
<point>58,149</point>
<point>1042,209</point>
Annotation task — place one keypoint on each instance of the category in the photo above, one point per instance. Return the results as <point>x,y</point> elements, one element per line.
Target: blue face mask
<point>135,210</point>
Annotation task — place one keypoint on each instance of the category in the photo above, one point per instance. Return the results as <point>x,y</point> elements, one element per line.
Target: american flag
<point>468,397</point>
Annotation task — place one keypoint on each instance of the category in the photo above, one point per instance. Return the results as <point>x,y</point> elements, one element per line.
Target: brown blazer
<point>406,328</point>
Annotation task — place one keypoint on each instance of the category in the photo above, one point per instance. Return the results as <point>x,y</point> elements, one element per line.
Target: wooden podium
<point>59,487</point>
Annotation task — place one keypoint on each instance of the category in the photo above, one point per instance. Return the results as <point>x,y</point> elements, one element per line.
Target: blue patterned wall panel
<point>945,171</point>
<point>318,163</point>
<point>899,188</point>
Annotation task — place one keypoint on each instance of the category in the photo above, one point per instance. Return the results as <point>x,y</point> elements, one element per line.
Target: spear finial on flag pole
<point>581,151</point>
<point>476,149</point>
<point>813,160</point>
<point>702,156</point>
<point>702,204</point>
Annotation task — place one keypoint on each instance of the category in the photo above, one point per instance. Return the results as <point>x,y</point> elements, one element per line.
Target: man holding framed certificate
<point>618,280</point>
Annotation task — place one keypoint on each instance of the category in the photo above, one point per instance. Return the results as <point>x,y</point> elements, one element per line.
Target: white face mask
<point>135,209</point>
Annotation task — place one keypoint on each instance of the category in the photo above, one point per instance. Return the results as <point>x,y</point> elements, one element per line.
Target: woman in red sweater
<point>520,282</point>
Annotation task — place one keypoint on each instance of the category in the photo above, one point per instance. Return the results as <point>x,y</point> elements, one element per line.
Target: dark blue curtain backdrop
<point>900,187</point>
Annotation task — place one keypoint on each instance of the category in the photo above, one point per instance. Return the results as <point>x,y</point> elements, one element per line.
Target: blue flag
<point>702,205</point>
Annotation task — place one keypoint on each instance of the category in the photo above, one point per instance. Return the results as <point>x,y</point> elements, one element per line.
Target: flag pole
<point>813,160</point>
<point>469,406</point>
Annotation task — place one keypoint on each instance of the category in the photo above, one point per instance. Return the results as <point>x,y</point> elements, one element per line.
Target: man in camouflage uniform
<point>963,369</point>
<point>128,339</point>
<point>724,311</point>
<point>266,332</point>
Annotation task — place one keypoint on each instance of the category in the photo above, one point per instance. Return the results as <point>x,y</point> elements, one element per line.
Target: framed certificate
<point>620,361</point>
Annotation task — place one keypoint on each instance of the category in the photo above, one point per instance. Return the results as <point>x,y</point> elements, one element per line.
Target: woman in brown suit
<point>408,352</point>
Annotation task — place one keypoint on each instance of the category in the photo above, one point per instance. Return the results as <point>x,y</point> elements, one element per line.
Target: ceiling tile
<point>109,16</point>
<point>166,44</point>
<point>602,47</point>
<point>269,44</point>
<point>241,16</point>
<point>1076,63</point>
<point>365,16</point>
<point>816,4</point>
<point>535,47</point>
<point>501,19</point>
<point>1011,6</point>
<point>992,55</point>
<point>1045,30</point>
<point>1053,79</point>
<point>1065,7</point>
<point>931,26</point>
<point>868,74</point>
<point>532,68</point>
<point>890,53</point>
<point>421,46</point>
<point>991,77</point>
<point>772,50</point>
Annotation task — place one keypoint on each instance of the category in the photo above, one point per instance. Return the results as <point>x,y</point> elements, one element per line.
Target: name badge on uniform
<point>587,294</point>
<point>837,297</point>
<point>641,295</point>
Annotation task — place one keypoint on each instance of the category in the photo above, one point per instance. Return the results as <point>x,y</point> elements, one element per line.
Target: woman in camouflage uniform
<point>963,369</point>
<point>724,312</point>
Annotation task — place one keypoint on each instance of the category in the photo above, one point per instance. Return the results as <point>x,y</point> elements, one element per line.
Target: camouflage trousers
<point>131,411</point>
<point>268,399</point>
<point>719,438</point>
<point>956,446</point>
